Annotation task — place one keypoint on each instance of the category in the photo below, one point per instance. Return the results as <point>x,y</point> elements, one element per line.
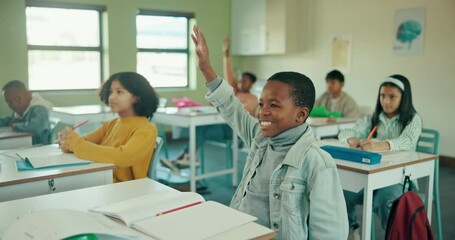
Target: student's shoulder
<point>348,97</point>
<point>39,108</point>
<point>317,158</point>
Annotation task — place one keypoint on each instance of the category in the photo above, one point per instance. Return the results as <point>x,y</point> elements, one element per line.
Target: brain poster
<point>409,31</point>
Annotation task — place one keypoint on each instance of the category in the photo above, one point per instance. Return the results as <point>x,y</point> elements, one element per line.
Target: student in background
<point>30,112</point>
<point>127,141</point>
<point>220,132</point>
<point>288,183</point>
<point>243,87</point>
<point>335,99</point>
<point>398,128</point>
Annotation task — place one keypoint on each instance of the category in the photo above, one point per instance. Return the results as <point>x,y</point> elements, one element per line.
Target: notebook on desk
<point>48,156</point>
<point>175,215</point>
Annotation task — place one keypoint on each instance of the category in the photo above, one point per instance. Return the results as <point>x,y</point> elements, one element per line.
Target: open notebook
<point>175,215</point>
<point>186,216</point>
<point>47,156</point>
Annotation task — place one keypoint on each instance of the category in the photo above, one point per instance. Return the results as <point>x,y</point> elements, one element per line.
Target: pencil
<point>178,208</point>
<point>372,132</point>
<point>80,124</point>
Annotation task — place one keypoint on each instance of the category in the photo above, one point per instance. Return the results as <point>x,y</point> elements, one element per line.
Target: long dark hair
<point>406,110</point>
<point>137,85</point>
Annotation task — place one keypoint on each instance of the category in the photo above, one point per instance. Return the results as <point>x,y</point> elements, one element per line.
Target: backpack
<point>408,218</point>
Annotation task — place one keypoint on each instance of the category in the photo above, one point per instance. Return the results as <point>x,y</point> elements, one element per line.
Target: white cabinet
<point>261,27</point>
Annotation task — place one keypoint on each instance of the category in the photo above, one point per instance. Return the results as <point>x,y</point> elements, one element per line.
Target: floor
<point>221,190</point>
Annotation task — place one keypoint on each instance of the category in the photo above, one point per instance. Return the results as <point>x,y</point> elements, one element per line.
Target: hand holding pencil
<point>366,144</point>
<point>65,134</point>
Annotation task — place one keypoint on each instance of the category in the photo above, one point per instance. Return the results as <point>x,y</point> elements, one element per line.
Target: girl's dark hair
<point>138,86</point>
<point>406,110</point>
<point>302,88</point>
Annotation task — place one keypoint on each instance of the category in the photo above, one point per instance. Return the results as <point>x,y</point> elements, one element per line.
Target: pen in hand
<point>80,124</point>
<point>372,132</point>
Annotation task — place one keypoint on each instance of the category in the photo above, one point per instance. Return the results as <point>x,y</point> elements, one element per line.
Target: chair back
<point>428,141</point>
<point>56,126</point>
<point>154,160</point>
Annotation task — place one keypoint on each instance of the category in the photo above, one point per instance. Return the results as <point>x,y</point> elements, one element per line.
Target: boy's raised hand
<point>226,46</point>
<point>202,52</point>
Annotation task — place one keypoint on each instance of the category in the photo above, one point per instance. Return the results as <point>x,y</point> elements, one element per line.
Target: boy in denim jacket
<point>288,182</point>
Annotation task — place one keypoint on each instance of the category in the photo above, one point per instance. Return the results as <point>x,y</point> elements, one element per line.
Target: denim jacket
<point>306,199</point>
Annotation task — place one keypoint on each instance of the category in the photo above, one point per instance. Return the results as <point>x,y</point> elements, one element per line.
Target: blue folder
<point>354,155</point>
<point>24,165</point>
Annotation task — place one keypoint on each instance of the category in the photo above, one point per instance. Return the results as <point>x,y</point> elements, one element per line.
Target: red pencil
<point>80,124</point>
<point>372,132</point>
<point>178,208</point>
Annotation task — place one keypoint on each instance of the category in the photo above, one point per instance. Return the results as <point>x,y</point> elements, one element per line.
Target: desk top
<point>389,160</point>
<point>9,175</point>
<point>82,109</point>
<point>84,199</point>
<point>7,133</point>
<point>189,111</point>
<point>323,121</point>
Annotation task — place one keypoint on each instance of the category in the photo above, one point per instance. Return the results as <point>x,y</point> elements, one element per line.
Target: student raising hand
<point>202,52</point>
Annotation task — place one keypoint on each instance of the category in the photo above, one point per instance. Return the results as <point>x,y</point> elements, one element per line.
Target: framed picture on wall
<point>341,53</point>
<point>409,31</point>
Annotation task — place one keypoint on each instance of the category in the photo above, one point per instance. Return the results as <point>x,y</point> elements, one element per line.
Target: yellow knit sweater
<point>126,142</point>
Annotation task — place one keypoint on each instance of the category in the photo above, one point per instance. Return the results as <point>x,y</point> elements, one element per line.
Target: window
<point>163,47</point>
<point>64,47</point>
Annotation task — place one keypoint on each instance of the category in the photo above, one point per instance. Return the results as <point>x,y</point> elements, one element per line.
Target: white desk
<point>84,199</point>
<point>16,184</point>
<point>323,127</point>
<point>76,114</point>
<point>11,139</point>
<point>392,169</point>
<point>191,118</point>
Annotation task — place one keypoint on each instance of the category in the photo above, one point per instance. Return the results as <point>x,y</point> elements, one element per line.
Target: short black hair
<point>250,75</point>
<point>14,84</point>
<point>137,85</point>
<point>302,88</point>
<point>335,75</point>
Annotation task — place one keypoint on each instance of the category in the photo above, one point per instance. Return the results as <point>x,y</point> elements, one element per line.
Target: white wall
<point>371,26</point>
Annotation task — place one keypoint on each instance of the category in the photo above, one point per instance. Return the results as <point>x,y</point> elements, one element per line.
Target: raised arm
<point>202,52</point>
<point>228,69</point>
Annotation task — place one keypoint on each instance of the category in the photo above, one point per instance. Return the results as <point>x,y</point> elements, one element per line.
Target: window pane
<point>161,32</point>
<point>62,27</point>
<point>163,69</point>
<point>55,70</point>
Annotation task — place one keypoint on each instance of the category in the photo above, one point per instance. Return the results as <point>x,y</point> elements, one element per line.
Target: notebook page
<point>198,222</point>
<point>147,206</point>
<point>46,156</point>
<point>63,223</point>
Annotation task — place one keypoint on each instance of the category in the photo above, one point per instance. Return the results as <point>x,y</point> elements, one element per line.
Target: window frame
<point>100,49</point>
<point>189,16</point>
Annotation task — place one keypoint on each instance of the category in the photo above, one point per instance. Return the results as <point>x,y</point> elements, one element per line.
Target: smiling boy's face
<point>277,110</point>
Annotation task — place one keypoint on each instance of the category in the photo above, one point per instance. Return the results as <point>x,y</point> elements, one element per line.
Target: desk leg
<point>192,153</point>
<point>367,211</point>
<point>430,192</point>
<point>235,157</point>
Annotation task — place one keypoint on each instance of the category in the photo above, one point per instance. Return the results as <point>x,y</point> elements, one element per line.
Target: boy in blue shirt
<point>288,182</point>
<point>30,114</point>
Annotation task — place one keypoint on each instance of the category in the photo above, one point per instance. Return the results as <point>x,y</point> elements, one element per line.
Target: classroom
<point>305,37</point>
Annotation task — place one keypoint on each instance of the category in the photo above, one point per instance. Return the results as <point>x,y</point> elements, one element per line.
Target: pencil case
<point>354,155</point>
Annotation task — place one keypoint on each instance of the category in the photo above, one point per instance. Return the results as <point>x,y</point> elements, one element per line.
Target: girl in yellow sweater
<point>127,141</point>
